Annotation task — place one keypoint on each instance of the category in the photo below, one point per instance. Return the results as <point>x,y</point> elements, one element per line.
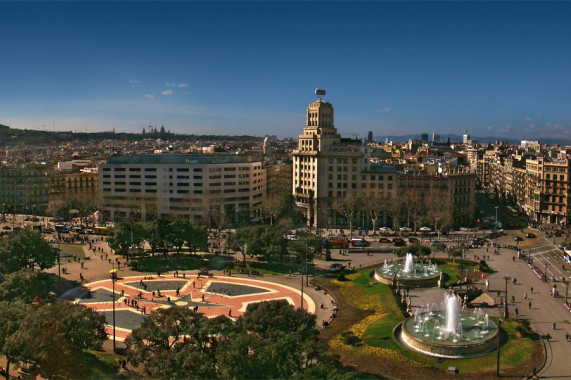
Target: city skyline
<point>495,69</point>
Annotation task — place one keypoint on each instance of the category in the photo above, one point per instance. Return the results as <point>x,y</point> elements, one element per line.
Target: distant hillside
<point>458,138</point>
<point>11,136</point>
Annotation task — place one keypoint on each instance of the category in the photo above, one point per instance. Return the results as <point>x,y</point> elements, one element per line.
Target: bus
<point>100,231</point>
<point>60,228</point>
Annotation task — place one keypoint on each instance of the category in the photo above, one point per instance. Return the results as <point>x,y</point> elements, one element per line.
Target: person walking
<point>516,312</point>
<point>554,325</point>
<point>530,305</point>
<point>525,296</point>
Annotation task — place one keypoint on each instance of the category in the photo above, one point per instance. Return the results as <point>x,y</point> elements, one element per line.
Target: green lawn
<point>515,352</point>
<point>100,365</point>
<point>70,249</point>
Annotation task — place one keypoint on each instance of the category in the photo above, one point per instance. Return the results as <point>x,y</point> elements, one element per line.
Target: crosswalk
<point>549,259</point>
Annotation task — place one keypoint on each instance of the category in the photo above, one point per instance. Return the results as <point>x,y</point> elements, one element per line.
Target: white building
<point>192,186</point>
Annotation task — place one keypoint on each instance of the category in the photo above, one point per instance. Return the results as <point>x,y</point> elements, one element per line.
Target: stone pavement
<point>544,309</point>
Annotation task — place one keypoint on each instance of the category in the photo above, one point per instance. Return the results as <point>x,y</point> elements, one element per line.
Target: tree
<point>375,206</point>
<point>270,340</point>
<point>414,206</point>
<point>306,246</point>
<point>176,343</point>
<point>25,249</point>
<point>25,285</point>
<point>11,316</point>
<point>416,249</point>
<point>439,210</point>
<point>196,238</point>
<point>348,206</point>
<point>273,205</point>
<point>124,236</point>
<point>53,337</point>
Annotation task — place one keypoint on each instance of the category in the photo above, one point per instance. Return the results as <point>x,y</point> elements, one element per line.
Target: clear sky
<point>493,68</point>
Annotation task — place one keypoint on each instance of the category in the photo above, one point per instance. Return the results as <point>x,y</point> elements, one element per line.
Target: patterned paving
<point>213,296</point>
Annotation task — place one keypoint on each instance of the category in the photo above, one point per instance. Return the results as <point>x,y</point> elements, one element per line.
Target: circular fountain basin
<point>421,275</point>
<point>425,335</point>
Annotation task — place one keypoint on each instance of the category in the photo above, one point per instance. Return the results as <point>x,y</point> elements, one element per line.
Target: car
<point>558,233</point>
<point>413,240</point>
<point>530,235</point>
<point>384,240</point>
<point>398,242</point>
<point>517,238</point>
<point>359,243</point>
<point>291,237</point>
<point>7,228</point>
<point>476,243</point>
<point>482,240</point>
<point>336,267</point>
<point>28,219</point>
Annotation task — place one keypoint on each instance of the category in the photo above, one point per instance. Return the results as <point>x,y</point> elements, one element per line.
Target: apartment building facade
<point>24,188</point>
<point>539,185</point>
<point>191,186</point>
<point>328,168</point>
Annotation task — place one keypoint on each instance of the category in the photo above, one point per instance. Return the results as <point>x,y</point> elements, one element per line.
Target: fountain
<point>408,264</point>
<point>409,273</point>
<point>448,332</point>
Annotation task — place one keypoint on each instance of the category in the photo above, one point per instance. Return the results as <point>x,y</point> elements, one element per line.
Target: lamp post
<point>113,275</point>
<point>546,270</point>
<point>498,358</point>
<point>506,314</point>
<point>56,252</point>
<point>566,288</point>
<point>496,217</point>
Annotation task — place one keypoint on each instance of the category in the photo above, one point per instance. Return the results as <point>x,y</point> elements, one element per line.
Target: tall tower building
<point>370,136</point>
<point>327,167</point>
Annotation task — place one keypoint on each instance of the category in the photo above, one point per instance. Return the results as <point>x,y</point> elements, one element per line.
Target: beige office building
<point>198,187</point>
<point>327,167</point>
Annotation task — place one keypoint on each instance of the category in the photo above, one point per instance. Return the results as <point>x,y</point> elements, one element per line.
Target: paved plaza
<point>138,296</point>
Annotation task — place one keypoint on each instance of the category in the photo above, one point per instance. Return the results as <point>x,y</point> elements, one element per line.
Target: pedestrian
<point>567,337</point>
<point>554,325</point>
<point>513,299</point>
<point>530,305</point>
<point>230,312</point>
<point>525,296</point>
<point>532,290</point>
<point>516,312</point>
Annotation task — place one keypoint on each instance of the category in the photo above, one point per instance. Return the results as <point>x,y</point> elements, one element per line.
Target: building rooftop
<point>182,159</point>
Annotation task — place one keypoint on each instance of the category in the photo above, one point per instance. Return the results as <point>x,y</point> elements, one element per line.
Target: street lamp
<point>566,288</point>
<point>506,314</point>
<point>113,275</point>
<point>496,217</point>
<point>57,254</point>
<point>498,359</point>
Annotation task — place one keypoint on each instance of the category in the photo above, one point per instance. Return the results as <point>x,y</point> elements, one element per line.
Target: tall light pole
<point>498,359</point>
<point>506,314</point>
<point>113,274</point>
<point>496,217</point>
<point>566,289</point>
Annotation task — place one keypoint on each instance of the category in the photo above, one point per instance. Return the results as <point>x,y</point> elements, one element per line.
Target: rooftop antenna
<point>320,93</point>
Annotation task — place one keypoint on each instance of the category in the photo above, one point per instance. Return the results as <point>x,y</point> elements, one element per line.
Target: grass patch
<point>100,365</point>
<point>366,340</point>
<point>74,250</point>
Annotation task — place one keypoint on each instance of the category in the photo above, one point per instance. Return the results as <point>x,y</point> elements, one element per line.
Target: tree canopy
<point>271,340</point>
<point>25,249</point>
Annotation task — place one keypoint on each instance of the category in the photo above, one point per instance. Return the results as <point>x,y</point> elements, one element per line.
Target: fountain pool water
<point>449,332</point>
<point>409,273</point>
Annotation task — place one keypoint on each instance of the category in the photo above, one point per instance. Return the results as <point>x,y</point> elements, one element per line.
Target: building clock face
<point>320,92</point>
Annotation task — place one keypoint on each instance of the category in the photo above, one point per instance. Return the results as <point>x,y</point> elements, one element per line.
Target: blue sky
<point>495,69</point>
